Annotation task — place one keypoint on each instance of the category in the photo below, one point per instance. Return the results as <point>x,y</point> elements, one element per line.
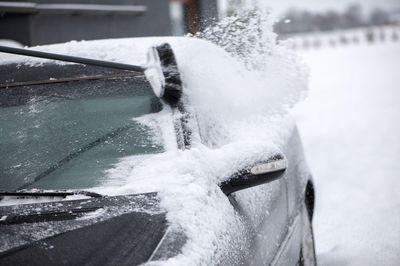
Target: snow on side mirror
<point>259,174</point>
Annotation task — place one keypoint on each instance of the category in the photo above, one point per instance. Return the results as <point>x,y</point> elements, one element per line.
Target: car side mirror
<point>260,173</point>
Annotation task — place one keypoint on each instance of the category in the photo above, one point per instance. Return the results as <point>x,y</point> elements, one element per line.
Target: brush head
<point>163,74</point>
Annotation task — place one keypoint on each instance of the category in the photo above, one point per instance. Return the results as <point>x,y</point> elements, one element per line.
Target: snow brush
<point>161,70</point>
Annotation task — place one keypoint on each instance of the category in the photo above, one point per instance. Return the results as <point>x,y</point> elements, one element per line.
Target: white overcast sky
<point>280,6</point>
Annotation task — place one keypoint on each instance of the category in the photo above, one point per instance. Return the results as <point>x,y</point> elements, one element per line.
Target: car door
<point>296,177</point>
<point>265,209</point>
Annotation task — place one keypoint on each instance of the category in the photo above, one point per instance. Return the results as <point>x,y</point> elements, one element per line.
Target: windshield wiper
<point>56,193</point>
<point>46,214</point>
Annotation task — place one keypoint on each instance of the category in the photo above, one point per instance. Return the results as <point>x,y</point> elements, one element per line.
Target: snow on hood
<point>242,116</point>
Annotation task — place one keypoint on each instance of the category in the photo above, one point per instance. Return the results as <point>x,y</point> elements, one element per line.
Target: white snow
<point>92,214</point>
<point>10,43</point>
<point>243,117</point>
<point>350,126</point>
<point>121,50</point>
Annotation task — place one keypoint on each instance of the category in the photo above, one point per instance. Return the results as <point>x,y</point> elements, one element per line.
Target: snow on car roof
<point>124,50</point>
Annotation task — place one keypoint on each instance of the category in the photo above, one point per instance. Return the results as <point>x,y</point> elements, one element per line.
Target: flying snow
<point>240,99</point>
<point>239,85</point>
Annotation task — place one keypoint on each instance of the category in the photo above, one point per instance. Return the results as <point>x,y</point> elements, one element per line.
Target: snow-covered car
<point>98,167</point>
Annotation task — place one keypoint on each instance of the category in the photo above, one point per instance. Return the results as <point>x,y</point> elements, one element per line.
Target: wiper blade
<point>55,193</point>
<point>46,216</point>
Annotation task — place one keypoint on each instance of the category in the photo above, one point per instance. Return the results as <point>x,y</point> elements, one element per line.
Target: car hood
<point>120,230</point>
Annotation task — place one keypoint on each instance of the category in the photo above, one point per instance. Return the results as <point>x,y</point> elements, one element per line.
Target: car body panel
<point>277,238</point>
<point>122,230</point>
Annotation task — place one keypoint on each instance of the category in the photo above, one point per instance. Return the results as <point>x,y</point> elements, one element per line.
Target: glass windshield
<point>66,135</point>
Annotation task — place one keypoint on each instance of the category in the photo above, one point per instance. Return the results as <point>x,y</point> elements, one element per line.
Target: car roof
<point>124,50</point>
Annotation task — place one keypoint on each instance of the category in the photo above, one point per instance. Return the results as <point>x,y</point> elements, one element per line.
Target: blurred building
<point>48,21</point>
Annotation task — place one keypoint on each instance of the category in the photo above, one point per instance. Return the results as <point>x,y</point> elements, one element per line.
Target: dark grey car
<point>64,126</point>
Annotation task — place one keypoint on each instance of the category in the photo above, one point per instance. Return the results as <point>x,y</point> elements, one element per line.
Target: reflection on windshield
<point>66,136</point>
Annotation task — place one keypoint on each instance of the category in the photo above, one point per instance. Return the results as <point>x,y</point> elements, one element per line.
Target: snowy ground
<point>350,125</point>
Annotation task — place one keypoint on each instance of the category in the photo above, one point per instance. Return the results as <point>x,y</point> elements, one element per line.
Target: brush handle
<point>73,59</point>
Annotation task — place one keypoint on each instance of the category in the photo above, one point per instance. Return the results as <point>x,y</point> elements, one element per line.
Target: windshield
<point>67,135</point>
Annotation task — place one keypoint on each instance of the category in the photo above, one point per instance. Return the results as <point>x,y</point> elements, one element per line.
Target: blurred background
<point>349,122</point>
<point>46,21</point>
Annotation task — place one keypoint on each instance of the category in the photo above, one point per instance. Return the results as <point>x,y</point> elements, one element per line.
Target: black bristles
<point>173,83</point>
